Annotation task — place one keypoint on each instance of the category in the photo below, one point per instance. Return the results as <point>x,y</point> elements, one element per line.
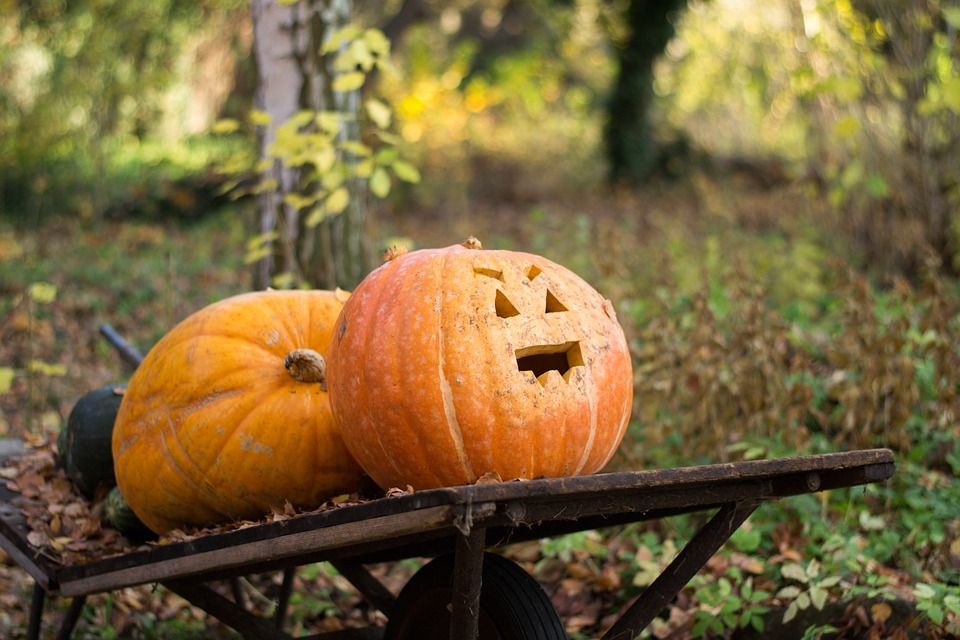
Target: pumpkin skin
<point>214,427</point>
<point>449,364</point>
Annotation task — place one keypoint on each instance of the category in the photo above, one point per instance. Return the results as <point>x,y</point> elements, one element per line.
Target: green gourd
<point>118,514</point>
<point>85,444</point>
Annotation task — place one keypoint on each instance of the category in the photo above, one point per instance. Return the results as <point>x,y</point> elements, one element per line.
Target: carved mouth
<point>542,359</point>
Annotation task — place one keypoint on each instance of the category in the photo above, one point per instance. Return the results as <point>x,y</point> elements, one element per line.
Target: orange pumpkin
<point>228,415</point>
<point>453,363</point>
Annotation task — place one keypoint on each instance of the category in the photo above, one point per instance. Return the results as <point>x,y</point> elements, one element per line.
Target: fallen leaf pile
<point>67,528</point>
<point>62,524</point>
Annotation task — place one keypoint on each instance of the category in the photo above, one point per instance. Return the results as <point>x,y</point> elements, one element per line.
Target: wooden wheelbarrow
<point>466,590</point>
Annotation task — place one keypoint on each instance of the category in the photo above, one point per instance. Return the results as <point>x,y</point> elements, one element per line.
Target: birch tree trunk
<point>294,77</point>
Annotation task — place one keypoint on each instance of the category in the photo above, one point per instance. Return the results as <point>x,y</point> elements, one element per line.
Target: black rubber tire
<point>513,606</point>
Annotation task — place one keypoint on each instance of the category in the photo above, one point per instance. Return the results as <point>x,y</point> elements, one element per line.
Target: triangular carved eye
<point>490,273</point>
<point>505,308</point>
<point>553,305</point>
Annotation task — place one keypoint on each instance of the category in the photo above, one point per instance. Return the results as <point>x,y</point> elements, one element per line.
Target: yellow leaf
<point>332,180</point>
<point>337,201</point>
<point>349,81</point>
<point>47,369</point>
<point>377,42</point>
<point>379,113</point>
<point>846,127</point>
<point>356,148</point>
<point>364,169</point>
<point>42,292</point>
<point>340,37</point>
<point>282,280</point>
<point>6,379</point>
<point>262,239</point>
<point>406,171</point>
<point>256,255</point>
<point>225,126</point>
<point>380,182</point>
<point>260,118</point>
<point>317,215</point>
<point>880,612</point>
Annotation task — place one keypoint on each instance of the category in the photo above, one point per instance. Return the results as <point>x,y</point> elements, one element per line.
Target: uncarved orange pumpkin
<point>449,364</point>
<point>228,414</point>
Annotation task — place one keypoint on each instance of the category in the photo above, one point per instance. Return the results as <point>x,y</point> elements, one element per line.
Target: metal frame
<point>466,520</point>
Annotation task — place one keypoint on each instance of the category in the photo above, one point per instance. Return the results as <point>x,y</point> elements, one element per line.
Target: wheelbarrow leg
<point>684,567</point>
<point>71,617</point>
<point>372,590</point>
<point>467,580</point>
<point>283,601</point>
<point>36,612</point>
<point>36,615</point>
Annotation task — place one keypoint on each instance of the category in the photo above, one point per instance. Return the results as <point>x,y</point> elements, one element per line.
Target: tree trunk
<point>294,76</point>
<point>630,147</point>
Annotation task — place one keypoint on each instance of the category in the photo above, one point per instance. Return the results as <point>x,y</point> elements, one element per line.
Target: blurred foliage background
<point>774,215</point>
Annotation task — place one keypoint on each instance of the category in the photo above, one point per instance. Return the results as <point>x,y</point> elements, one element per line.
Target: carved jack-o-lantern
<point>452,363</point>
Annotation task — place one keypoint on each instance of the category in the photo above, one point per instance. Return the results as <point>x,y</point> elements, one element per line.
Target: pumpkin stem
<point>472,243</point>
<point>393,252</point>
<point>306,365</point>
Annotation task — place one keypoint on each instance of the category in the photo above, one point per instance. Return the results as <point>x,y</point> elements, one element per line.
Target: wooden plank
<point>601,495</point>
<point>374,529</point>
<point>9,539</point>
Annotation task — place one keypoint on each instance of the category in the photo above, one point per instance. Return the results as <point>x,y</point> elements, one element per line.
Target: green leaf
<point>818,596</point>
<point>788,593</point>
<point>870,522</point>
<point>952,16</point>
<point>6,379</point>
<point>379,113</point>
<point>380,182</point>
<point>406,171</point>
<point>924,591</point>
<point>832,581</point>
<point>795,572</point>
<point>790,613</point>
<point>876,186</point>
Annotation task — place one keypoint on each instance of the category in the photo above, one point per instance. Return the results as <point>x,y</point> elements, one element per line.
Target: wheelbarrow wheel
<point>513,606</point>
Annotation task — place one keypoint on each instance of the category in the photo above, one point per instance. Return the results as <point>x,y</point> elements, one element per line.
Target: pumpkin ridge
<point>446,390</point>
<point>589,383</point>
<point>371,330</point>
<point>203,488</point>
